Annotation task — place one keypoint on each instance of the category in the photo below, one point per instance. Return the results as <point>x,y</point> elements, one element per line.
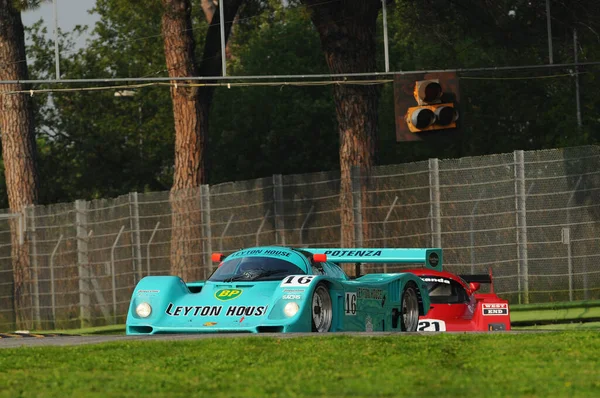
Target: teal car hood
<point>223,304</point>
<point>217,306</point>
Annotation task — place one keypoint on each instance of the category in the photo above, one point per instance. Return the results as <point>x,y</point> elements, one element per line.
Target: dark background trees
<point>94,142</point>
<point>89,142</point>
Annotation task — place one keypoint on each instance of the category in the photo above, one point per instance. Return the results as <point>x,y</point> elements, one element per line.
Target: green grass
<point>442,365</point>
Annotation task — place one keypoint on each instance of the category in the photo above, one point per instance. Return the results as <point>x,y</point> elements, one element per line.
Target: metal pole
<point>472,232</point>
<point>207,233</point>
<point>385,36</point>
<point>112,271</point>
<point>387,216</point>
<point>428,222</point>
<point>222,23</point>
<point>577,99</point>
<point>519,263</point>
<point>357,206</point>
<point>262,223</point>
<point>434,197</point>
<point>305,221</point>
<point>52,295</point>
<point>81,211</point>
<point>521,210</point>
<point>225,80</point>
<point>279,210</point>
<point>34,259</point>
<point>148,247</point>
<point>549,27</point>
<point>566,240</point>
<point>56,53</point>
<point>21,224</point>
<point>586,294</point>
<point>223,233</point>
<point>566,234</point>
<point>134,211</point>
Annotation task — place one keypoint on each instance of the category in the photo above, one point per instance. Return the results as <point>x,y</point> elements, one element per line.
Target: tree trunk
<point>190,128</point>
<point>347,31</point>
<point>191,108</point>
<point>18,150</point>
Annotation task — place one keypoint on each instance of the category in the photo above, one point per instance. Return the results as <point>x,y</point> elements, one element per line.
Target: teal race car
<point>282,289</point>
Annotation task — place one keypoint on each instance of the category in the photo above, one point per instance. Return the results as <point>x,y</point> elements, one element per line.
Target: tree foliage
<point>89,141</point>
<point>502,110</point>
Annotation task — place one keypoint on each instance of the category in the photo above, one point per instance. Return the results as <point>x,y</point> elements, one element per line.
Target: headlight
<point>143,310</point>
<point>291,309</point>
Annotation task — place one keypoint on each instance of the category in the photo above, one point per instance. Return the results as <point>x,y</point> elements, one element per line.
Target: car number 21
<point>431,325</point>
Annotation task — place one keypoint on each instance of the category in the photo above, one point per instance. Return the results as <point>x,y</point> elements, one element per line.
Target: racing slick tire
<point>321,309</point>
<point>409,319</point>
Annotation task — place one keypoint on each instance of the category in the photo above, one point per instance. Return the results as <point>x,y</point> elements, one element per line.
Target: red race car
<point>456,307</point>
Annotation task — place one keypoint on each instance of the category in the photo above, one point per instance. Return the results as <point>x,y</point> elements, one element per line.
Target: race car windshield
<point>254,269</point>
<point>444,291</point>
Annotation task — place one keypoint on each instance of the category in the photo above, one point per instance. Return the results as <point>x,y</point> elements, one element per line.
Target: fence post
<point>113,274</point>
<point>312,208</point>
<point>224,232</point>
<point>566,239</point>
<point>136,246</point>
<point>434,200</point>
<point>355,172</point>
<point>278,207</point>
<point>260,227</point>
<point>81,213</point>
<point>565,234</point>
<point>30,211</point>
<point>387,216</point>
<point>206,231</point>
<point>52,291</point>
<point>472,231</point>
<point>148,246</point>
<point>521,214</point>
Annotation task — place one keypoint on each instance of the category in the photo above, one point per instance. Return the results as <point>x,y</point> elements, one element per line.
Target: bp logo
<point>228,294</point>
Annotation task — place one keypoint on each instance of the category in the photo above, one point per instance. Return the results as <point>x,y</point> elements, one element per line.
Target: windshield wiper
<point>234,278</point>
<point>269,273</point>
<point>255,275</point>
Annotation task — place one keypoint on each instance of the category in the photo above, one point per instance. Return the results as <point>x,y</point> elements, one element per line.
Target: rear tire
<point>321,309</point>
<point>409,319</point>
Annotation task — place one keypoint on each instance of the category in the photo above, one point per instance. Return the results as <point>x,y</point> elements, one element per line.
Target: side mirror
<point>216,257</point>
<point>319,257</point>
<point>474,286</point>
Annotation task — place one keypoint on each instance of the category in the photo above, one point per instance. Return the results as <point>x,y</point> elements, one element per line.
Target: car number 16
<point>350,303</point>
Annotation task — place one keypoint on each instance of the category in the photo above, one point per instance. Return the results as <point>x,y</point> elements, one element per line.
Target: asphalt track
<point>16,341</point>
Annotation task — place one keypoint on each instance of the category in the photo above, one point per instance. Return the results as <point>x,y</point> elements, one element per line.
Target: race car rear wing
<point>430,258</point>
<point>478,278</point>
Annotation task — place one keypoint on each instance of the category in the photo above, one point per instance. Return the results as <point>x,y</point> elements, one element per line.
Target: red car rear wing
<point>478,278</point>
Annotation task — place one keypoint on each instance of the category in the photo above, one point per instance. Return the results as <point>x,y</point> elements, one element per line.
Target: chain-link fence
<point>533,217</point>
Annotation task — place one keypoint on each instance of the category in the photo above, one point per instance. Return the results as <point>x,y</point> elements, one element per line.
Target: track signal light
<point>431,114</point>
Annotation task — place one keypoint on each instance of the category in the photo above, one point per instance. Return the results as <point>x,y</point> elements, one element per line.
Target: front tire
<point>409,318</point>
<point>321,309</point>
